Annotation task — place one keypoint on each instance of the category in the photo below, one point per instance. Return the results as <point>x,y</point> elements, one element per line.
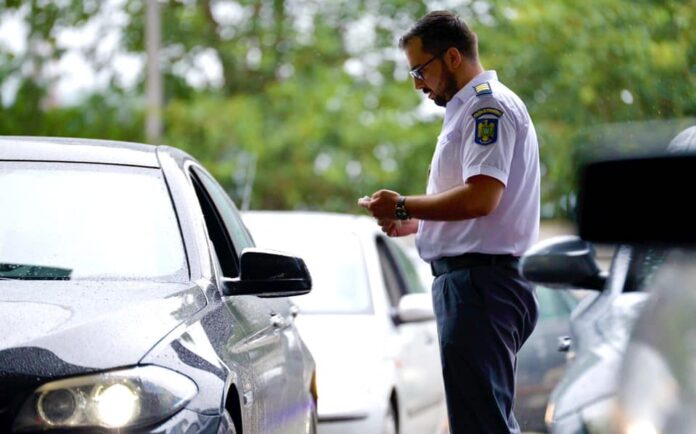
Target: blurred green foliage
<point>315,102</point>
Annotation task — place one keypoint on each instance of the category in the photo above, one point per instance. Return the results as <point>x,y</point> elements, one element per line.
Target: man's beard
<point>449,91</point>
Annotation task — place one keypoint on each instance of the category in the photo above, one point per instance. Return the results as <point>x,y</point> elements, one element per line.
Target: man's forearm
<point>464,202</point>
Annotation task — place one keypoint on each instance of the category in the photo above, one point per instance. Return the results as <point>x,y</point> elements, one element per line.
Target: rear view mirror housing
<point>563,262</point>
<point>415,308</point>
<point>268,273</point>
<point>645,200</point>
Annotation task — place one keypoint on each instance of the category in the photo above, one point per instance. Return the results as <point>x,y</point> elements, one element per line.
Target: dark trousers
<point>484,315</point>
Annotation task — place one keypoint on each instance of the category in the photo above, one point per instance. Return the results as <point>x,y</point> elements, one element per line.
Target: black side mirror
<point>638,201</point>
<point>267,273</point>
<point>563,262</point>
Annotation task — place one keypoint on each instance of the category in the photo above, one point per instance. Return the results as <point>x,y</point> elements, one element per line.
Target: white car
<point>368,322</point>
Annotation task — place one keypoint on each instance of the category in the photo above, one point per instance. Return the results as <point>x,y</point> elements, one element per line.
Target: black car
<point>133,299</point>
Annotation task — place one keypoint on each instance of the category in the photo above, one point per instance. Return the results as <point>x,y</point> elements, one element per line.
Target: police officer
<point>479,214</point>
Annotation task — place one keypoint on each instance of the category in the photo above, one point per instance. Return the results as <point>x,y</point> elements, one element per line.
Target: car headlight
<point>117,399</point>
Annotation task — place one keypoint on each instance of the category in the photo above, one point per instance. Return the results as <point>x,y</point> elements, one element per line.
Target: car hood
<point>59,328</point>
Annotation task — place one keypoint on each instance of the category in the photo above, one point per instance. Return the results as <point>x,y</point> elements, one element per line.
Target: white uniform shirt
<point>486,131</point>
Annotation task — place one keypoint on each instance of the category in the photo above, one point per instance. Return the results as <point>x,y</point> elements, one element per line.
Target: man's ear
<point>453,58</point>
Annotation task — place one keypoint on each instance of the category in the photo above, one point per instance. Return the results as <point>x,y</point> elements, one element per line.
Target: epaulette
<point>483,89</point>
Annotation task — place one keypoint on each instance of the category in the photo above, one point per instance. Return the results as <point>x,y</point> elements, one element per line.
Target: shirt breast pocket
<point>448,159</point>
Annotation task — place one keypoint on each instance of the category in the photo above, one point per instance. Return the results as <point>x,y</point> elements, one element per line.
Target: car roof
<point>20,148</point>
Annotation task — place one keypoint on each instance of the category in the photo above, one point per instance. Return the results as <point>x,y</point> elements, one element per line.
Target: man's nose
<point>418,84</point>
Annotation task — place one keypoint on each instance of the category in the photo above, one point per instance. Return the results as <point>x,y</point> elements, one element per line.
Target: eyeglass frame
<point>416,72</point>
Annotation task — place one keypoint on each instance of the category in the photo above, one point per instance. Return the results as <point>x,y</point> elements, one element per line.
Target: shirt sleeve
<point>489,135</point>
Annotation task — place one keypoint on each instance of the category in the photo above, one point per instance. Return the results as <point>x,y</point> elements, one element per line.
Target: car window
<point>218,234</point>
<point>414,282</point>
<point>241,239</point>
<point>393,280</point>
<point>553,303</point>
<point>334,258</point>
<point>88,221</point>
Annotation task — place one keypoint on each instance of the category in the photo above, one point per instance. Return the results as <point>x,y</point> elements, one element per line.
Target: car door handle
<point>278,321</point>
<point>564,344</point>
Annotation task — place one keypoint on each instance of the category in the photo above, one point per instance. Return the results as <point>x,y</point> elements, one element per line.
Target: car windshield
<point>86,221</point>
<point>334,259</point>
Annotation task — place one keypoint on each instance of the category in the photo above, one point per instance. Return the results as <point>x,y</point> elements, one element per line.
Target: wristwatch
<point>400,212</point>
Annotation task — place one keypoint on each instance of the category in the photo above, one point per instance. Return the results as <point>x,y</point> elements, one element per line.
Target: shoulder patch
<point>483,89</point>
<point>486,128</point>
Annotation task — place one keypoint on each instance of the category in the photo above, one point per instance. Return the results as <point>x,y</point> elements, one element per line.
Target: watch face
<point>401,214</point>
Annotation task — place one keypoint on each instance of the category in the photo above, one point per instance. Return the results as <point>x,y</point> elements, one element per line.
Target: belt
<point>468,260</point>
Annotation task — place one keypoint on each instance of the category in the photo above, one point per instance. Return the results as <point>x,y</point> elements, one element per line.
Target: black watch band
<point>400,212</point>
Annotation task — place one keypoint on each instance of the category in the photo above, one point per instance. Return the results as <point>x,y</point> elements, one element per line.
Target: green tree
<point>313,98</point>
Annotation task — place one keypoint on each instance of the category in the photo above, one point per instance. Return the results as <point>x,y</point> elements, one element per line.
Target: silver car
<point>612,211</point>
<point>368,322</point>
<point>656,384</point>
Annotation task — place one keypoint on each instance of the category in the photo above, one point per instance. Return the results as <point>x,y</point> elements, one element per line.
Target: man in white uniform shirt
<point>479,214</point>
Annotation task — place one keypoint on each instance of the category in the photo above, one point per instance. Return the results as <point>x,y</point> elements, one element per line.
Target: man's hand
<point>382,205</point>
<point>390,226</point>
<point>398,228</point>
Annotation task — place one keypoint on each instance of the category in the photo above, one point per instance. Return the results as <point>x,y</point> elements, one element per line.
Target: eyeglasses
<point>417,73</point>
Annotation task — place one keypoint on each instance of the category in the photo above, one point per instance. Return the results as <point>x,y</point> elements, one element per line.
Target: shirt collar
<point>468,90</point>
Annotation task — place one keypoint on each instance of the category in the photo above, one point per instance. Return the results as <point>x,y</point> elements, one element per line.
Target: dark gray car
<point>133,299</point>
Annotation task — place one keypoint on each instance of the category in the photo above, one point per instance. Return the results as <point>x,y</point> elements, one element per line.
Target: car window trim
<point>227,239</point>
<point>402,290</point>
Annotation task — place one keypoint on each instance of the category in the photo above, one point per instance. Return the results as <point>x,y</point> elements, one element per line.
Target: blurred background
<point>307,104</point>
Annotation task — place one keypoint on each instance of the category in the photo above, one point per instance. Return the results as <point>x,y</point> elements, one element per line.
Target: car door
<point>263,344</point>
<point>420,379</point>
<point>540,364</point>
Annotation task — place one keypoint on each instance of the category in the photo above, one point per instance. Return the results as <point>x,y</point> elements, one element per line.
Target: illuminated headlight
<point>117,399</point>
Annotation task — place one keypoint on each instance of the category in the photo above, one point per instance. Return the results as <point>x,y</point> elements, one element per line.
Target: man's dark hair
<point>440,30</point>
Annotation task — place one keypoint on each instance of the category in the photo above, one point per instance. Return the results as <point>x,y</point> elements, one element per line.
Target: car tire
<point>389,423</point>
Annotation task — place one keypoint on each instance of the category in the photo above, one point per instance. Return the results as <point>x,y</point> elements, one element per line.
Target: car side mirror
<point>267,273</point>
<point>563,262</point>
<point>615,208</point>
<point>415,308</point>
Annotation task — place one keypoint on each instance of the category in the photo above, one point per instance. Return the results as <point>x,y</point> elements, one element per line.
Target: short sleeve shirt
<point>486,131</point>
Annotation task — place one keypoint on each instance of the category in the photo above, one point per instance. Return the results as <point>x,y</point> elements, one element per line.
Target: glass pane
<point>414,280</point>
<point>334,259</point>
<point>228,212</point>
<point>84,221</point>
<point>551,303</point>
